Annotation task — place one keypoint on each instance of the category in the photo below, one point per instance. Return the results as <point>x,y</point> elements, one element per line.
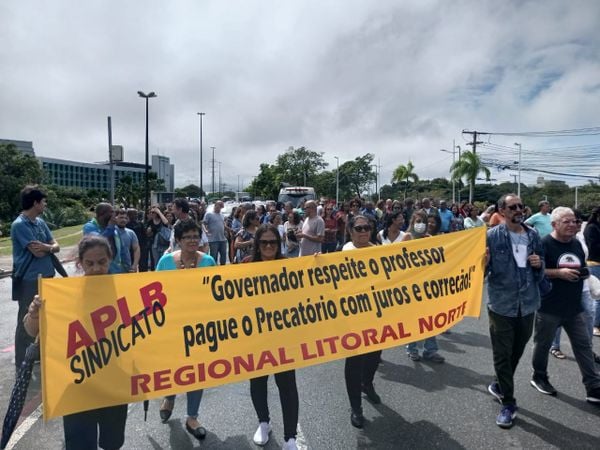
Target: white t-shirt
<point>386,241</point>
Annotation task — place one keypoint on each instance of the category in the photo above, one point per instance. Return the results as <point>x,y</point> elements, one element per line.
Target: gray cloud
<point>398,79</point>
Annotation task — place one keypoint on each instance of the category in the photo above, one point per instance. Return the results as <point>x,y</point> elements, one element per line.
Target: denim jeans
<point>509,336</point>
<point>430,346</point>
<point>218,250</point>
<point>578,332</point>
<point>193,402</point>
<point>588,306</point>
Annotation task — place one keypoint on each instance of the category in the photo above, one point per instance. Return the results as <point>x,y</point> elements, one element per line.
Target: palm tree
<point>404,173</point>
<point>469,166</point>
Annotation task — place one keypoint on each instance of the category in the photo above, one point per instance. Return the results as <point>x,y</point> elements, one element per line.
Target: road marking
<point>8,349</point>
<point>24,427</point>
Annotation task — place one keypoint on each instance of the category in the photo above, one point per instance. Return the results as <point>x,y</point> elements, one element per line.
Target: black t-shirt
<point>565,297</point>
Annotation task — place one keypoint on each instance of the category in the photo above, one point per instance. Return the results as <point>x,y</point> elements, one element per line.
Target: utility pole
<point>110,162</point>
<point>213,170</point>
<point>475,141</point>
<point>519,186</point>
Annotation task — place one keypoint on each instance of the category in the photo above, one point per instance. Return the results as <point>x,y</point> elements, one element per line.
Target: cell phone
<point>584,272</point>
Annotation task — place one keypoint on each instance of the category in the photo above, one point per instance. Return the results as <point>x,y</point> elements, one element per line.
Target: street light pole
<point>519,171</point>
<point>213,169</point>
<point>147,185</point>
<point>458,190</point>
<point>201,114</point>
<point>337,181</point>
<point>453,181</point>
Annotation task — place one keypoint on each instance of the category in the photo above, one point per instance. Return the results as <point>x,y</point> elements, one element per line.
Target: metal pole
<point>201,188</point>
<point>220,187</point>
<point>337,181</point>
<point>110,163</point>
<point>458,190</point>
<point>519,171</point>
<point>146,171</point>
<point>213,170</point>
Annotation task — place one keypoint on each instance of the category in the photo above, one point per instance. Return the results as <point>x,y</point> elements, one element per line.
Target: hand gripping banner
<point>115,339</point>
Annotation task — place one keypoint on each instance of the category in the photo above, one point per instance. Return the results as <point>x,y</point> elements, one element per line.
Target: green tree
<point>356,176</point>
<point>191,190</point>
<point>299,166</point>
<point>468,166</point>
<point>266,184</point>
<point>17,169</point>
<point>405,174</point>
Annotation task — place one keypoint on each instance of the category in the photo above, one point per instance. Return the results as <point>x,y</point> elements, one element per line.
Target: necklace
<point>190,265</point>
<point>519,240</point>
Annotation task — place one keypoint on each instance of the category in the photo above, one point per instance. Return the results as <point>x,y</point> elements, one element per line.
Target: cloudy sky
<point>400,79</point>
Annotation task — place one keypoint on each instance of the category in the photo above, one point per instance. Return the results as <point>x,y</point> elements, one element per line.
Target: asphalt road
<point>425,405</point>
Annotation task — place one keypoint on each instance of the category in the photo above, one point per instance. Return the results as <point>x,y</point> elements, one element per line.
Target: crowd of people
<point>537,268</point>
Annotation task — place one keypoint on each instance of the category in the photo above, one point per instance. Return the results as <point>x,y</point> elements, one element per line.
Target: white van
<point>296,194</point>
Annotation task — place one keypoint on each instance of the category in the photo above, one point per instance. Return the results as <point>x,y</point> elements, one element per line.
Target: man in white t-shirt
<point>313,230</point>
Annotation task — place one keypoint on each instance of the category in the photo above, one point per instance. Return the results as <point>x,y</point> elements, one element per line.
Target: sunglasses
<point>190,238</point>
<point>515,207</point>
<point>361,228</point>
<point>264,242</point>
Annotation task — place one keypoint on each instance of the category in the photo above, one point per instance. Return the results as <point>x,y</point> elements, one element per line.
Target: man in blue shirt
<point>446,216</point>
<point>104,225</point>
<point>130,247</point>
<point>32,246</point>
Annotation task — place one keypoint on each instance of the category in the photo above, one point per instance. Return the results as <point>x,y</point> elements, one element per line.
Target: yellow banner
<point>116,339</point>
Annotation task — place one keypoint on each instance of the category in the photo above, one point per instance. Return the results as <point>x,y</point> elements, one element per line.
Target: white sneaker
<point>261,437</point>
<point>290,444</point>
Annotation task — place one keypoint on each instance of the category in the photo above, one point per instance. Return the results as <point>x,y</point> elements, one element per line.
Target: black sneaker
<point>543,385</point>
<point>369,390</point>
<point>593,395</point>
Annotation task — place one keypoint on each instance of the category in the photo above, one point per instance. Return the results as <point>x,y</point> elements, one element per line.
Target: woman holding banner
<point>267,247</point>
<point>187,235</point>
<point>359,370</point>
<point>104,427</point>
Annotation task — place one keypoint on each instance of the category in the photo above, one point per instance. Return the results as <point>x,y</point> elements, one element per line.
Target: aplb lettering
<point>107,316</point>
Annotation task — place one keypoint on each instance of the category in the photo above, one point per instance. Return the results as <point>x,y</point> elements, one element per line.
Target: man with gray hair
<point>214,226</point>
<point>313,230</point>
<point>562,306</point>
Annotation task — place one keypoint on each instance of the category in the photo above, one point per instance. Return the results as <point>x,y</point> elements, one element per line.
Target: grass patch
<point>66,237</point>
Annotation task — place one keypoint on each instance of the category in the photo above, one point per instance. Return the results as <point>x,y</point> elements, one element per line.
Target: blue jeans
<point>218,250</point>
<point>577,330</point>
<point>193,402</point>
<point>588,307</point>
<point>430,346</point>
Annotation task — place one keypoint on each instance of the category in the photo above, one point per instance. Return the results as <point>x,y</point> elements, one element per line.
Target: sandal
<point>557,353</point>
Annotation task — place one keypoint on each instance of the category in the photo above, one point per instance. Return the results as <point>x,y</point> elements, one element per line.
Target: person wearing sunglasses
<point>267,247</point>
<point>359,370</point>
<point>187,234</point>
<point>514,269</point>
